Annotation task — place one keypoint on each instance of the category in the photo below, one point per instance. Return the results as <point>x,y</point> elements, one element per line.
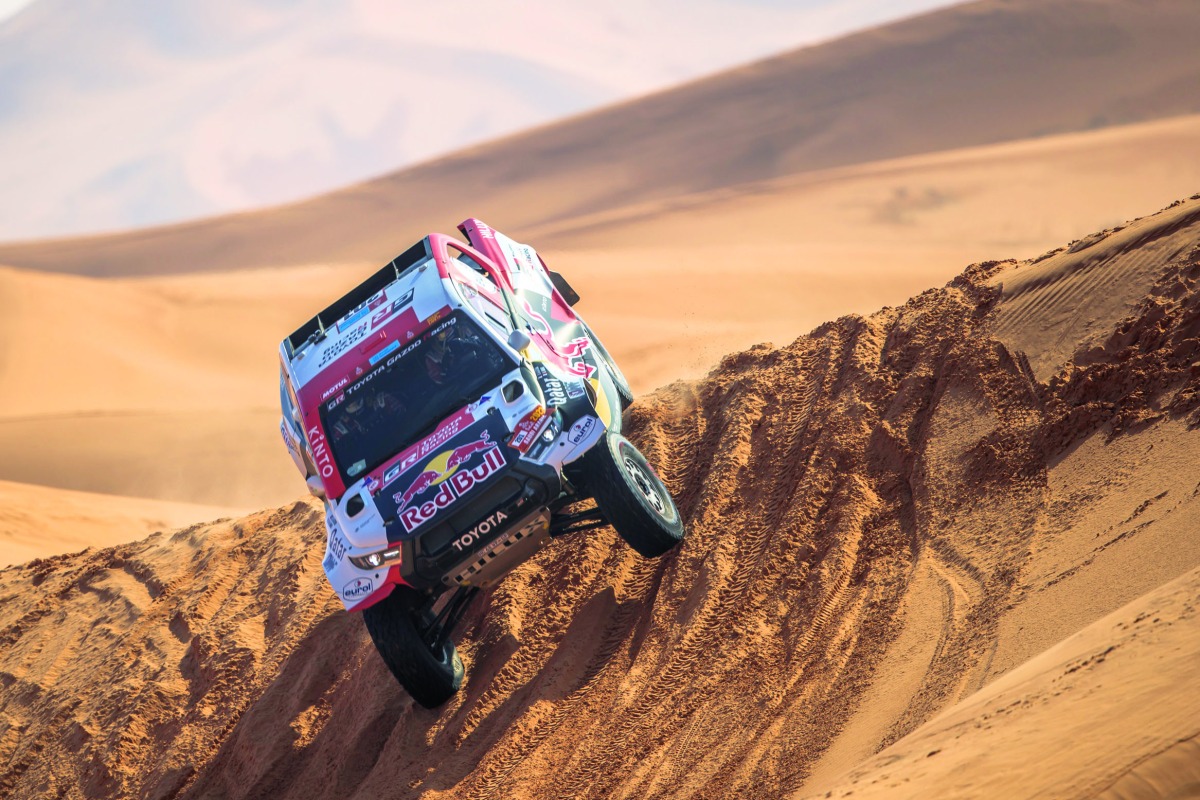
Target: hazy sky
<point>126,113</point>
<point>10,7</point>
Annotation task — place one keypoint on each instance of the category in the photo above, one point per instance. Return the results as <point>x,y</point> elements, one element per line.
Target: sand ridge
<point>833,488</point>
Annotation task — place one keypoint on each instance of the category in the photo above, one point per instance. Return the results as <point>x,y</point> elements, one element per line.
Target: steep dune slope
<point>883,515</point>
<point>978,73</point>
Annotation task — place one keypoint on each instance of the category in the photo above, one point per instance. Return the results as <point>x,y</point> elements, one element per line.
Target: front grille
<point>442,535</point>
<point>434,550</point>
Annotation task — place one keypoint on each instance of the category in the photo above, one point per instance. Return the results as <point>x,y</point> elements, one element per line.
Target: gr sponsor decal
<point>581,429</point>
<point>362,309</point>
<point>380,316</point>
<point>479,531</point>
<point>447,477</point>
<point>445,433</point>
<point>357,589</point>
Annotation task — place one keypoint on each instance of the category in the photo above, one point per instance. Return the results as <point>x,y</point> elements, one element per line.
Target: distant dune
<point>984,72</point>
<point>168,391</point>
<point>36,521</point>
<point>962,529</point>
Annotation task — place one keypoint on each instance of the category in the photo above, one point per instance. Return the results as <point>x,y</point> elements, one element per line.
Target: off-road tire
<point>618,377</point>
<point>430,677</point>
<point>632,497</point>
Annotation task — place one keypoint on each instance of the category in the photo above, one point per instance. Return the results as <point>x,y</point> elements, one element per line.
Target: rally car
<point>454,413</point>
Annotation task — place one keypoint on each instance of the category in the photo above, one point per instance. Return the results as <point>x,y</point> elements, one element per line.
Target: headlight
<point>377,559</point>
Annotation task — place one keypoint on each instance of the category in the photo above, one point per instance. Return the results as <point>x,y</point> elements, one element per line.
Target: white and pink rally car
<point>452,412</point>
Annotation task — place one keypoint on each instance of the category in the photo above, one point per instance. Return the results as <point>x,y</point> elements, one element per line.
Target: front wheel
<point>430,673</point>
<point>632,497</point>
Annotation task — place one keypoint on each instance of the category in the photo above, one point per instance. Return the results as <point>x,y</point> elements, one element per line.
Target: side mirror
<point>519,340</point>
<point>315,487</point>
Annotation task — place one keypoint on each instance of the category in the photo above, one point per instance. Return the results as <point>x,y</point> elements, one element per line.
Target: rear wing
<point>359,295</point>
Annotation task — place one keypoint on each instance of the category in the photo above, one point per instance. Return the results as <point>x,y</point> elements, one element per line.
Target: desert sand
<point>947,549</point>
<point>943,544</point>
<point>171,377</point>
<point>38,521</point>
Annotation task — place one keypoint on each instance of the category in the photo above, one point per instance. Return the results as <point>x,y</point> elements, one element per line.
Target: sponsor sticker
<point>289,438</point>
<point>445,478</point>
<point>581,429</point>
<point>574,351</point>
<point>575,389</point>
<point>382,354</point>
<point>486,526</point>
<point>519,255</point>
<point>527,430</point>
<point>357,589</point>
<point>335,548</point>
<point>379,317</point>
<point>553,389</point>
<point>443,434</point>
<point>339,346</point>
<point>339,385</point>
<point>320,451</point>
<point>361,310</point>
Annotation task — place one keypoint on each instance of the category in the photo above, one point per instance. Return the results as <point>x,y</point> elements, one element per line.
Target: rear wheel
<point>429,671</point>
<point>632,497</point>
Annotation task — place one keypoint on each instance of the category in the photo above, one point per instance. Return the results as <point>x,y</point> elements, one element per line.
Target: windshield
<point>408,391</point>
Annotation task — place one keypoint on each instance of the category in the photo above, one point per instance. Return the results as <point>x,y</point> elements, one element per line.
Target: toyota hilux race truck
<point>454,413</point>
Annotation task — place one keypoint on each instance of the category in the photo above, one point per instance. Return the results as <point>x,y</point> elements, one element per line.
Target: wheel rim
<point>646,485</point>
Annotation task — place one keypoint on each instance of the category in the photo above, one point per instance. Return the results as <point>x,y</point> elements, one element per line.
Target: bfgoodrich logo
<point>359,587</point>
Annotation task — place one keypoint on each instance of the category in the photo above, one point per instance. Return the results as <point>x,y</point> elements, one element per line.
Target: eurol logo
<point>357,588</point>
<point>444,479</point>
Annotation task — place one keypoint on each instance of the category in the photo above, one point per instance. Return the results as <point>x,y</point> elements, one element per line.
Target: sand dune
<point>1128,679</point>
<point>171,377</point>
<point>727,202</point>
<point>888,518</point>
<point>36,521</point>
<point>978,73</point>
<point>159,389</point>
<point>768,261</point>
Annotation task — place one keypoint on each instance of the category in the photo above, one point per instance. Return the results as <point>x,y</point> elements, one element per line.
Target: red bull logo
<point>447,480</point>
